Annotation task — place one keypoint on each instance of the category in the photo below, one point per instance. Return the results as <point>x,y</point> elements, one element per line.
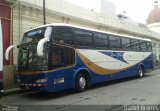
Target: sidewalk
<point>156,66</point>
<point>11,91</point>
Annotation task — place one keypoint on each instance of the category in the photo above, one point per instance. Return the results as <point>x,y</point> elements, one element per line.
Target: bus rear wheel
<point>140,72</point>
<point>81,82</point>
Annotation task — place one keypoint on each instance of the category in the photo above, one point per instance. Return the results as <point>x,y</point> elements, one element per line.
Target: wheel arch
<point>142,66</point>
<point>86,72</point>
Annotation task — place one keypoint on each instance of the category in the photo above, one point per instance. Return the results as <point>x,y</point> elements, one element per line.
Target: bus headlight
<point>41,80</point>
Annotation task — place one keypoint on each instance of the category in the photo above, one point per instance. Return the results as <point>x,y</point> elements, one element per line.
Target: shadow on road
<point>54,95</point>
<point>48,96</point>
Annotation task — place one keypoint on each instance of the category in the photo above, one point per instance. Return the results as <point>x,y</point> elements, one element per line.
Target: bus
<point>56,57</point>
<point>1,60</point>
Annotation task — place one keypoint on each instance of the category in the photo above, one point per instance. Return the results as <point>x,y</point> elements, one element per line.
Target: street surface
<point>130,91</point>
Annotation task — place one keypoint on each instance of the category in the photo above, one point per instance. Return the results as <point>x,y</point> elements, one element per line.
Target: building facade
<point>7,38</point>
<point>153,23</point>
<point>28,14</point>
<point>153,20</point>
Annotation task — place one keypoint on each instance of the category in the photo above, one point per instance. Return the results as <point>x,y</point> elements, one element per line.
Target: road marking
<point>149,78</point>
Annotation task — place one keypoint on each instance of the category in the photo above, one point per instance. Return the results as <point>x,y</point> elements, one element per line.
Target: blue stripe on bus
<point>68,75</point>
<point>115,55</point>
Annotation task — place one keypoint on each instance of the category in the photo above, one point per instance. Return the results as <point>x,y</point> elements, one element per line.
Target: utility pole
<point>44,12</point>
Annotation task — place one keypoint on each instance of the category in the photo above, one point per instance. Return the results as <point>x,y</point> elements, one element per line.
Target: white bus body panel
<point>104,60</point>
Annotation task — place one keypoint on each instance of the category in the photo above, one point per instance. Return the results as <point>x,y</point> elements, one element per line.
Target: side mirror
<point>41,43</point>
<point>40,46</point>
<point>8,50</point>
<point>48,32</point>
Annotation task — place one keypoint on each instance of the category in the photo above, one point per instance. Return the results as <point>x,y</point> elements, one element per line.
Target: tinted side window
<point>62,56</point>
<point>126,44</point>
<point>135,45</point>
<point>57,56</point>
<point>70,56</point>
<point>143,45</point>
<point>64,38</point>
<point>83,38</point>
<point>114,41</point>
<point>149,44</point>
<point>100,40</point>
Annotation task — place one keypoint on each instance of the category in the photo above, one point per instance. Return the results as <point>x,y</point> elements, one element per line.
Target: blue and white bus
<point>56,57</point>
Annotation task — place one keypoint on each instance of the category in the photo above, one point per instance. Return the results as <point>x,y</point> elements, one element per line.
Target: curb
<point>12,91</point>
<point>156,67</point>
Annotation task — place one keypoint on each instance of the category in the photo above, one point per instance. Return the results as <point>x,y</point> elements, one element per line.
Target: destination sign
<point>34,32</point>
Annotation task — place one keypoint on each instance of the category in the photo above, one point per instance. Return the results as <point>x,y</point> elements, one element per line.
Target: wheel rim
<point>140,72</point>
<point>82,82</point>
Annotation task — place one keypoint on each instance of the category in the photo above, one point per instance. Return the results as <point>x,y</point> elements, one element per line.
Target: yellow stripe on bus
<point>97,69</point>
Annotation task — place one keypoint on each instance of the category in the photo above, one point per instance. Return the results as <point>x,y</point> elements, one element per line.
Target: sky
<point>138,10</point>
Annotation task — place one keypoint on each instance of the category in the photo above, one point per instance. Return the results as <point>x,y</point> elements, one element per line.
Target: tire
<point>140,72</point>
<point>81,83</point>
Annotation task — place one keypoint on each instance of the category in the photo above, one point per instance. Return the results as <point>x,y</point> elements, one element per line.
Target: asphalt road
<point>129,91</point>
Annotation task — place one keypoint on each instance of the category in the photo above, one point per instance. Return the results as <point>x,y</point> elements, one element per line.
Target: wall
<point>154,27</point>
<point>1,52</point>
<point>6,21</point>
<point>28,14</point>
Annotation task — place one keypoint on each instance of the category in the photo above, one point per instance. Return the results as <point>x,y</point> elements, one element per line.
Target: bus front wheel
<point>81,82</point>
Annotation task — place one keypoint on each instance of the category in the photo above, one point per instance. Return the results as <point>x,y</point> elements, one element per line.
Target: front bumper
<point>35,87</point>
<point>29,82</point>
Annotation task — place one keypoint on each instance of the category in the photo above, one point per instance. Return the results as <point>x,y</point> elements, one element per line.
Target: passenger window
<point>57,56</point>
<point>115,42</point>
<point>83,38</point>
<point>70,56</point>
<point>126,44</point>
<point>149,45</point>
<point>135,45</point>
<point>143,46</point>
<point>64,38</point>
<point>100,40</point>
<point>62,56</point>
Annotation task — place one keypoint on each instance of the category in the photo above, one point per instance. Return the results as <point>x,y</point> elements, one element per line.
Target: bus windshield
<point>28,58</point>
<point>34,35</point>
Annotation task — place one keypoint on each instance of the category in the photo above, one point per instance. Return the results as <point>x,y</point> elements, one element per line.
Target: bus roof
<point>90,29</point>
